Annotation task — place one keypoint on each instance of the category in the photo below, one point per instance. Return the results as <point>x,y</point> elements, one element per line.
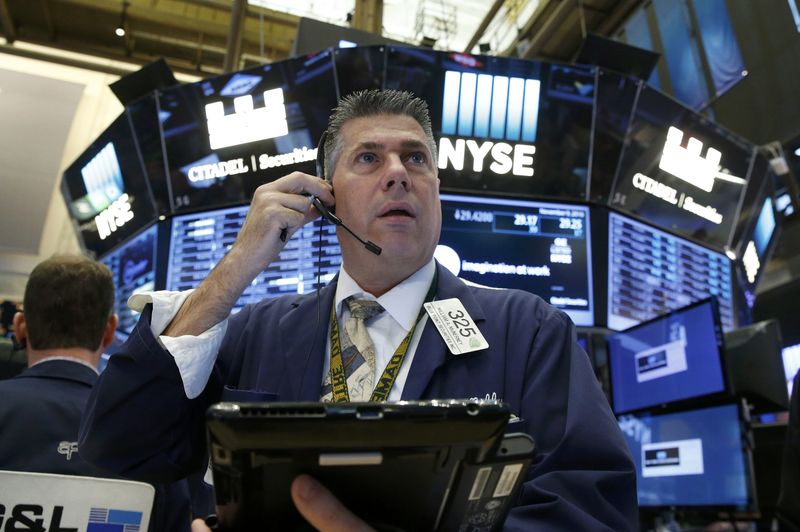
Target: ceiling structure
<point>197,36</point>
<point>202,38</point>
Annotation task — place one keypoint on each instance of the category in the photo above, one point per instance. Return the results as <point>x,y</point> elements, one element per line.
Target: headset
<point>328,213</point>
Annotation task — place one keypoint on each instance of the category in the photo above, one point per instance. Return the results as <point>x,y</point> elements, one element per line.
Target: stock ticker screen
<point>690,459</point>
<point>542,248</point>
<point>133,266</point>
<point>651,272</point>
<point>200,240</point>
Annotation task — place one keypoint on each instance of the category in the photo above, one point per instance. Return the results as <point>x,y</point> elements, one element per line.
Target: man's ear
<point>20,327</point>
<point>108,334</point>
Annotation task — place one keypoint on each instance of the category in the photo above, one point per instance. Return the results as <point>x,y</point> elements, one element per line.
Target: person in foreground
<point>146,415</point>
<point>68,321</point>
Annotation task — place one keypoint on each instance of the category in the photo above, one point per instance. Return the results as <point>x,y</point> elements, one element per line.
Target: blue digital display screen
<point>651,272</point>
<point>791,365</point>
<point>543,248</point>
<point>505,124</point>
<point>689,459</point>
<point>134,268</point>
<point>765,226</point>
<point>200,240</point>
<point>668,359</point>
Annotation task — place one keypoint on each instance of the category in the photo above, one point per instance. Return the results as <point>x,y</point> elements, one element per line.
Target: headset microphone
<point>325,211</point>
<point>335,220</point>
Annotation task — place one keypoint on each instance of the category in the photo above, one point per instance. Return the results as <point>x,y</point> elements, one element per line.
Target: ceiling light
<point>123,20</point>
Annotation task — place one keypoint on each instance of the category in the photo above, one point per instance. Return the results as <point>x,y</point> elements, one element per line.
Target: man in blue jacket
<point>67,322</point>
<point>381,166</point>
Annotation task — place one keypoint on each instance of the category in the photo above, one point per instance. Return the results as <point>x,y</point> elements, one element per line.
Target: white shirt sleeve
<point>194,355</point>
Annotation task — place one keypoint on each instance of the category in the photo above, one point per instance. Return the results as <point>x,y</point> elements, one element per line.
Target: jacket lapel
<point>432,352</point>
<point>303,345</point>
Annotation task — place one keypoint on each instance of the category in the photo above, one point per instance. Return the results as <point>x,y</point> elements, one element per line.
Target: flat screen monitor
<point>509,125</point>
<point>359,68</point>
<point>200,240</point>
<point>754,361</point>
<point>680,171</point>
<point>145,120</point>
<point>791,365</point>
<point>538,247</point>
<point>106,189</point>
<point>314,35</point>
<point>695,459</point>
<point>227,135</point>
<point>756,248</point>
<point>675,357</point>
<point>651,272</point>
<point>133,265</point>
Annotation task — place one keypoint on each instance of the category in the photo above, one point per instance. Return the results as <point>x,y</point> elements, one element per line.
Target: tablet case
<point>423,465</point>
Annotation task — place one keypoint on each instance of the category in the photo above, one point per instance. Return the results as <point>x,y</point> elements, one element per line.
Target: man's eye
<point>367,158</point>
<point>418,158</point>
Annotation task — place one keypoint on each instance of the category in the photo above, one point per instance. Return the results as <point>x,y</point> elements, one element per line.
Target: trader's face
<point>387,189</point>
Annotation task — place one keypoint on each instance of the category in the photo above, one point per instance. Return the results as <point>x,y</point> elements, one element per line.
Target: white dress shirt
<point>195,355</point>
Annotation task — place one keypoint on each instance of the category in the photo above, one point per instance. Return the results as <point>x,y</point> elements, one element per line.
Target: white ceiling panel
<point>36,114</point>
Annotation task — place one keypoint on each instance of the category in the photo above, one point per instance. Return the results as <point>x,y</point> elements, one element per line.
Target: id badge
<point>455,326</point>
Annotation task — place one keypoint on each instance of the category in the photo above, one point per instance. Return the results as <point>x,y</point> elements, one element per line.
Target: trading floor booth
<point>607,198</point>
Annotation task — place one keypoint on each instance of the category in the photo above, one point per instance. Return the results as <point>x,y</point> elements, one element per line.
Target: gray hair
<point>370,103</point>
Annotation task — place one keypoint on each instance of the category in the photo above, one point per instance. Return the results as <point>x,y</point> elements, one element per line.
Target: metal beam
<point>368,16</point>
<point>9,29</point>
<point>48,19</point>
<point>484,24</point>
<point>622,10</point>
<point>181,67</point>
<point>235,36</point>
<point>554,21</point>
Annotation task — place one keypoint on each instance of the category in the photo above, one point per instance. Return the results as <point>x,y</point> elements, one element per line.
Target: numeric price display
<point>538,247</point>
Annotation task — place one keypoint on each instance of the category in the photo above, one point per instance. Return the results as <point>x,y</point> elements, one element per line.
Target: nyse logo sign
<point>495,107</point>
<point>687,163</point>
<point>115,216</point>
<point>102,178</point>
<point>503,158</point>
<point>246,124</point>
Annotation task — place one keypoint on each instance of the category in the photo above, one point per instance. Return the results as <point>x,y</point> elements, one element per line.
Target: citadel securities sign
<point>682,183</point>
<point>246,124</point>
<point>690,167</point>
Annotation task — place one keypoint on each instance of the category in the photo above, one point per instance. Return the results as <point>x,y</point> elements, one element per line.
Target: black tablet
<point>432,465</point>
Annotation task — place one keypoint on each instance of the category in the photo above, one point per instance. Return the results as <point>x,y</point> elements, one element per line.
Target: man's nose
<point>396,173</point>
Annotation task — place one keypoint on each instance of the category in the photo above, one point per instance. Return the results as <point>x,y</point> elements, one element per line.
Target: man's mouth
<point>396,212</point>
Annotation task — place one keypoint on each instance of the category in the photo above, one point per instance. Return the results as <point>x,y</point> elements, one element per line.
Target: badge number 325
<point>455,325</point>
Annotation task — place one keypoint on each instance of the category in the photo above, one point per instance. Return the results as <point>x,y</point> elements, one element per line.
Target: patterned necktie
<point>358,351</point>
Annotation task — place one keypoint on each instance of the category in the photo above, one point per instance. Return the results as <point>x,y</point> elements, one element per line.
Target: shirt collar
<point>67,359</point>
<point>401,302</point>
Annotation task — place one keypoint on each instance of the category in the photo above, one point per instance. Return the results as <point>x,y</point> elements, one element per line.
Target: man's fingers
<point>198,525</point>
<point>320,508</point>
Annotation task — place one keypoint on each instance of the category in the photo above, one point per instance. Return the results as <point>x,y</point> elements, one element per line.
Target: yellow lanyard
<point>386,381</point>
